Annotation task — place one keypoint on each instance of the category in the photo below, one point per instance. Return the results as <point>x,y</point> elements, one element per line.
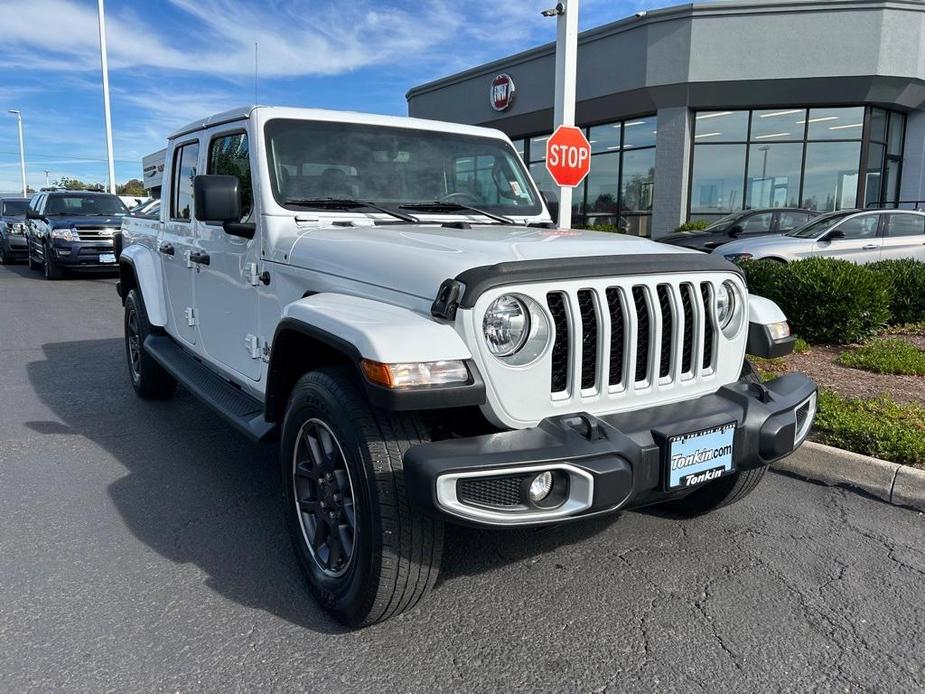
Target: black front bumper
<point>625,454</point>
<point>84,255</point>
<point>14,245</point>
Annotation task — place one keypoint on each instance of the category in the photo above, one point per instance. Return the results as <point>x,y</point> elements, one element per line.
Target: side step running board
<point>240,409</point>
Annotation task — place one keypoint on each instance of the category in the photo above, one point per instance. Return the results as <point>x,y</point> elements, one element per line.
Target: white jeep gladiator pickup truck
<point>390,299</point>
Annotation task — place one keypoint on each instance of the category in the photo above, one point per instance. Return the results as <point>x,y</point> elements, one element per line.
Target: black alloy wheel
<point>324,497</point>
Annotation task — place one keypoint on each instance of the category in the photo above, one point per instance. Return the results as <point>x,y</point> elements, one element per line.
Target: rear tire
<point>149,379</point>
<point>726,490</point>
<point>367,554</point>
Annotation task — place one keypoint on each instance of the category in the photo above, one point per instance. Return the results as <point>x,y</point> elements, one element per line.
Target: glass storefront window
<point>874,179</point>
<point>897,128</point>
<point>538,148</point>
<point>638,180</point>
<point>604,138</point>
<point>831,179</point>
<point>717,179</point>
<point>835,123</point>
<point>604,184</point>
<point>774,175</point>
<point>721,126</point>
<point>878,124</point>
<point>640,132</point>
<point>778,124</point>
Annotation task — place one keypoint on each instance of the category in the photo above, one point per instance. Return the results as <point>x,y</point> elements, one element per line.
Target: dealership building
<point>699,110</point>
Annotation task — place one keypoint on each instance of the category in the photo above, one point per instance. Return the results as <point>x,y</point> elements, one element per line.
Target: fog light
<point>540,486</point>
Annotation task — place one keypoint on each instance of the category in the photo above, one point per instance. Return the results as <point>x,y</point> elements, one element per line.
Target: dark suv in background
<point>73,230</point>
<point>12,229</point>
<point>748,223</point>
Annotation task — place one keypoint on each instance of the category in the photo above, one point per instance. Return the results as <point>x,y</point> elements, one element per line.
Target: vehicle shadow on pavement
<point>22,270</point>
<point>191,488</point>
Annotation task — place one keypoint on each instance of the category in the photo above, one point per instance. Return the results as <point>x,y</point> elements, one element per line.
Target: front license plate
<point>700,457</point>
<point>107,257</point>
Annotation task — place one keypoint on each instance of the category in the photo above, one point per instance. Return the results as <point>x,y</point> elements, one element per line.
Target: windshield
<point>725,221</point>
<point>85,205</point>
<point>15,208</point>
<point>311,160</point>
<point>820,225</point>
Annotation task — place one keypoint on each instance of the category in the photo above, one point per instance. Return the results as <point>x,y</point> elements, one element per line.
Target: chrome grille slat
<point>633,337</point>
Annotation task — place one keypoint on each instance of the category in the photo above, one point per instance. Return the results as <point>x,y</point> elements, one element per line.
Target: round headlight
<point>725,304</point>
<point>506,325</point>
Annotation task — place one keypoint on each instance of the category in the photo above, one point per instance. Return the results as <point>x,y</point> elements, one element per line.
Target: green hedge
<point>826,300</point>
<point>907,289</point>
<point>698,225</point>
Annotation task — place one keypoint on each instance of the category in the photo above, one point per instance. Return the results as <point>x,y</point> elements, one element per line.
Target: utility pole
<point>22,153</point>
<point>566,14</point>
<point>104,64</point>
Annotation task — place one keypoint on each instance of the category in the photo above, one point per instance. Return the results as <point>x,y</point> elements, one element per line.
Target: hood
<point>416,259</point>
<point>682,235</point>
<point>755,244</point>
<point>114,221</point>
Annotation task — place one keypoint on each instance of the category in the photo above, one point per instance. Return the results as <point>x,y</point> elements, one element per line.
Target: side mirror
<point>833,235</point>
<point>735,231</point>
<point>218,201</point>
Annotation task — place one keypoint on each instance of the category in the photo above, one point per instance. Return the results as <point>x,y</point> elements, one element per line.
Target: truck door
<point>226,277</point>
<point>177,241</point>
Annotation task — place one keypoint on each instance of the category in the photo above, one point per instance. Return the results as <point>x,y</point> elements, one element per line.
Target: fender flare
<point>354,329</point>
<point>762,313</point>
<point>137,263</point>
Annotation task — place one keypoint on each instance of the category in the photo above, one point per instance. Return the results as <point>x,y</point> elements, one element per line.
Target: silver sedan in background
<point>861,236</point>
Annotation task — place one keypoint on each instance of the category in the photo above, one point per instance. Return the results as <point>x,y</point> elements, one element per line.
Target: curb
<point>895,484</point>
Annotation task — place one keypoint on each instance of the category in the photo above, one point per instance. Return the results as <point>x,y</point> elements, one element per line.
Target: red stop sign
<point>568,156</point>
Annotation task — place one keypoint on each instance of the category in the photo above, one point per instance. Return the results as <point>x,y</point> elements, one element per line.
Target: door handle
<point>870,247</point>
<point>199,258</point>
<point>167,249</point>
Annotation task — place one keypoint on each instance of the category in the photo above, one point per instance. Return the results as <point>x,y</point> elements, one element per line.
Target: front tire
<point>726,490</point>
<point>367,554</point>
<point>30,256</point>
<point>149,379</point>
<point>50,267</point>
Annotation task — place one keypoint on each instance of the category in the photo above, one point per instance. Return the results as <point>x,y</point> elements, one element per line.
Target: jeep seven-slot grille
<point>588,339</point>
<point>560,346</point>
<point>663,323</point>
<point>708,328</point>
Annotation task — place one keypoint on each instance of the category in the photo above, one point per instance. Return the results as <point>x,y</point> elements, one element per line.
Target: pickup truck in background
<point>389,298</point>
<point>72,230</point>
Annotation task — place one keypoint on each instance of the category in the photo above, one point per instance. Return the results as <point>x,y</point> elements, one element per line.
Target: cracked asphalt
<point>142,549</point>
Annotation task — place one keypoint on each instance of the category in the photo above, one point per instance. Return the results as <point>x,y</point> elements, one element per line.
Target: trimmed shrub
<point>827,301</point>
<point>907,288</point>
<point>698,225</point>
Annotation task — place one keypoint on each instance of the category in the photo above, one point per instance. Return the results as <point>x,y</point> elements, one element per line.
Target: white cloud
<point>296,38</point>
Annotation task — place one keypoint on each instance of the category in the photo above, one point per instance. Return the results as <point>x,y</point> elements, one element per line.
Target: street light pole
<point>104,64</point>
<point>22,153</point>
<point>566,75</point>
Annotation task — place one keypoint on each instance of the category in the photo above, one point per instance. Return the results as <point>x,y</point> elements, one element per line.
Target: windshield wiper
<point>447,206</point>
<point>350,204</point>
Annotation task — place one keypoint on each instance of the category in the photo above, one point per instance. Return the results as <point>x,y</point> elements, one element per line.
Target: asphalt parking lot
<point>142,549</point>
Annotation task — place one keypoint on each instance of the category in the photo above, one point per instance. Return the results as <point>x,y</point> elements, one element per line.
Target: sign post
<point>566,72</point>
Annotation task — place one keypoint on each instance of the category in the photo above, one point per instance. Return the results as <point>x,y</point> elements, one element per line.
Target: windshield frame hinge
<point>448,297</point>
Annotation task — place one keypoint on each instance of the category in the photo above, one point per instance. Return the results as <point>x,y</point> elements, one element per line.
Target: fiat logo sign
<point>502,92</point>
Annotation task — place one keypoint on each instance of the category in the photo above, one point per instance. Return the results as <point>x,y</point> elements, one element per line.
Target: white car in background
<point>859,236</point>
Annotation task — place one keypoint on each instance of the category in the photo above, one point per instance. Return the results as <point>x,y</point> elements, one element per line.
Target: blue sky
<point>172,61</point>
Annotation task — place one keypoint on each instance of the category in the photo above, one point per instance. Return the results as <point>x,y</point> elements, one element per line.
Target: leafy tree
<point>133,186</point>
